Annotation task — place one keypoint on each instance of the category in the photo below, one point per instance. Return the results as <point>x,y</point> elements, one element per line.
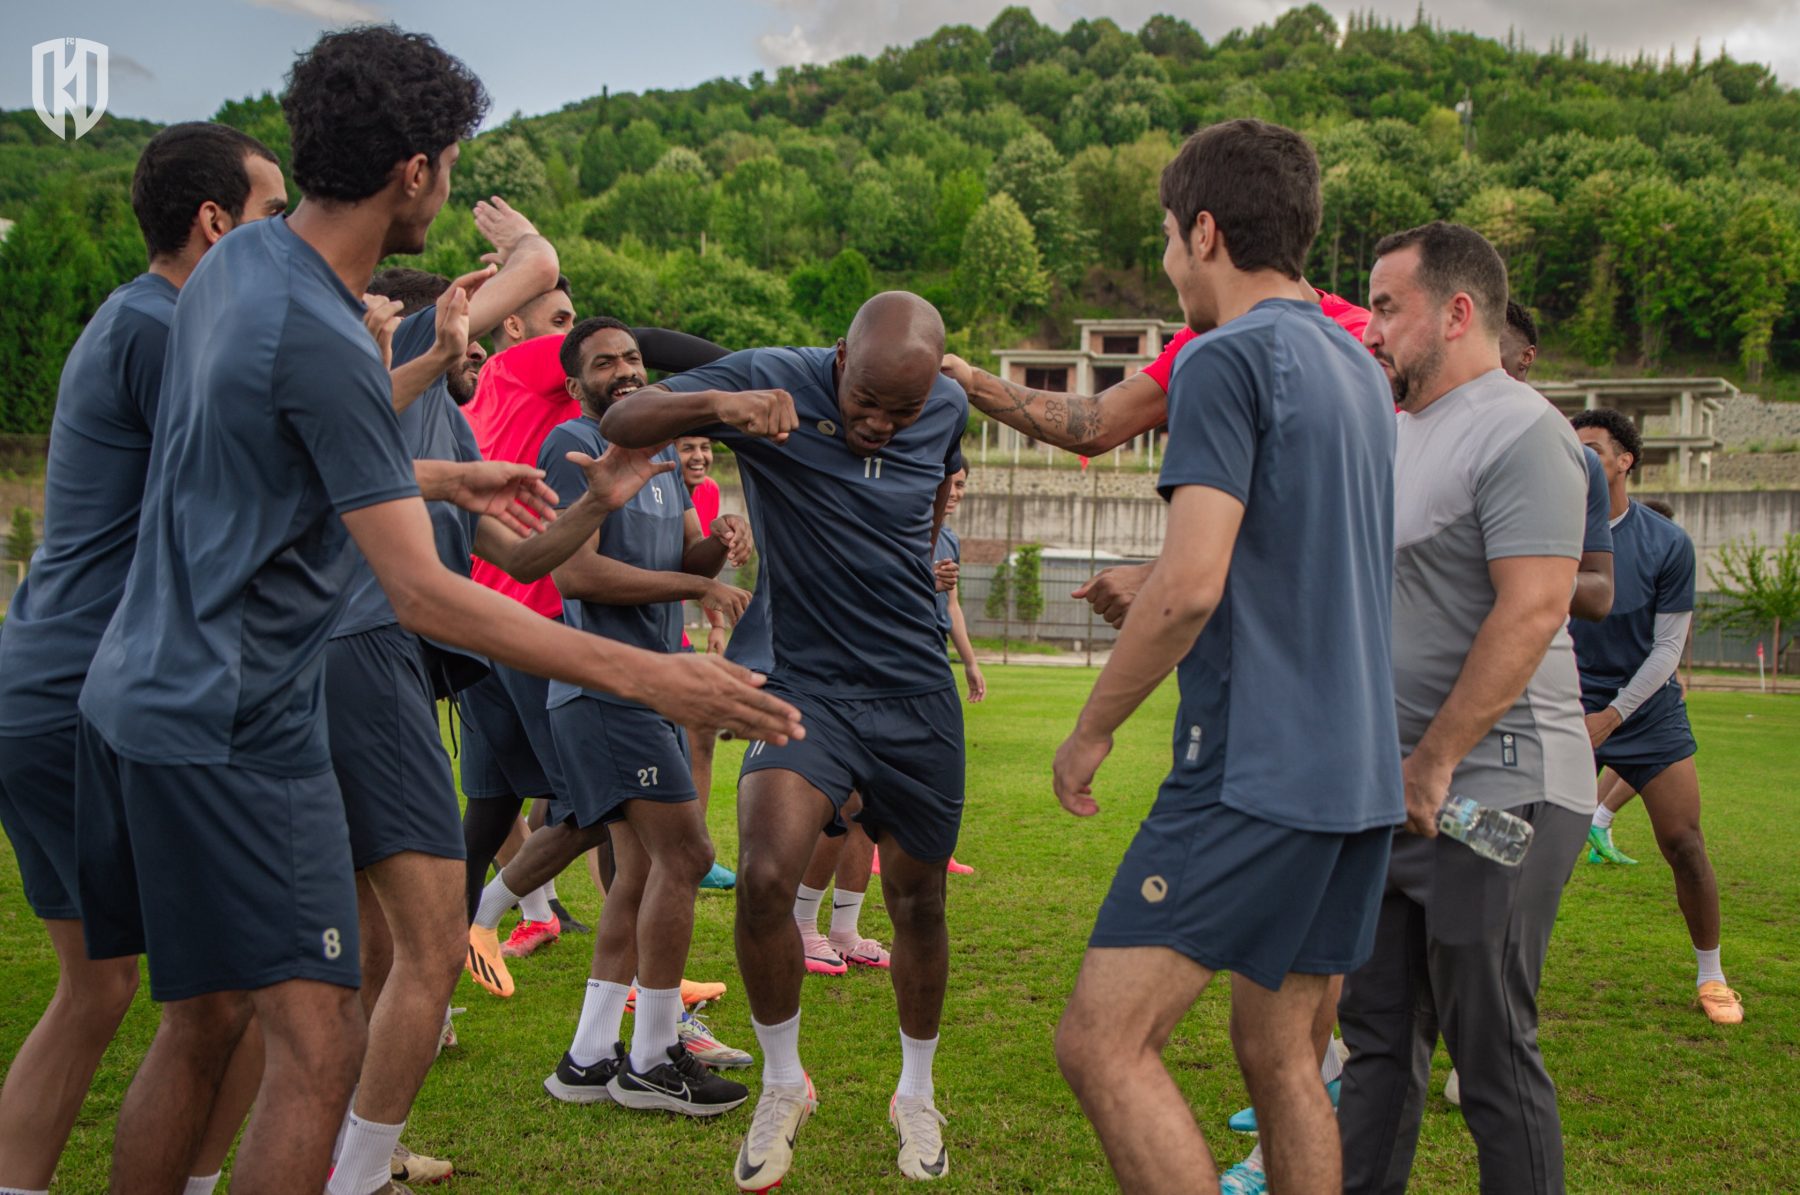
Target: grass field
<point>1654,1098</point>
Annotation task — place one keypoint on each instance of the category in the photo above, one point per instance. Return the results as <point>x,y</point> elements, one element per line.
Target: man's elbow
<point>1592,604</point>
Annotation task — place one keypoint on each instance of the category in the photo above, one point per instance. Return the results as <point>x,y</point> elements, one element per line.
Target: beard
<point>460,382</point>
<point>1412,379</point>
<point>598,401</point>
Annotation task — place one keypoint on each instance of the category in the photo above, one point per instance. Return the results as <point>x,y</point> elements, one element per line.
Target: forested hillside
<point>1009,174</point>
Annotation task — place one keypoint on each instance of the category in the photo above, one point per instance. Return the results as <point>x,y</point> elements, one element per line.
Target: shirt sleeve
<point>730,374</point>
<point>1531,498</point>
<point>1599,506</point>
<point>1671,631</point>
<point>336,398</point>
<point>415,336</point>
<point>668,351</point>
<point>1160,369</point>
<point>1214,421</point>
<point>1675,580</point>
<point>145,348</point>
<point>561,474</point>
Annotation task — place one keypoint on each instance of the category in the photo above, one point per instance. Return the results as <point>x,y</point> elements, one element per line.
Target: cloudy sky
<point>536,56</point>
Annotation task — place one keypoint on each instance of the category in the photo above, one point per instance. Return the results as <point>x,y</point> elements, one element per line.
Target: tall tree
<point>1000,272</point>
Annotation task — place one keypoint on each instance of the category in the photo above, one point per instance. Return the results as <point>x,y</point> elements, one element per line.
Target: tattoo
<point>1084,417</point>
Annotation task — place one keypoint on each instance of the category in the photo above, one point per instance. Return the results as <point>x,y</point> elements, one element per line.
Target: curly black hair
<point>183,167</point>
<point>1619,426</point>
<point>1518,318</point>
<point>362,100</point>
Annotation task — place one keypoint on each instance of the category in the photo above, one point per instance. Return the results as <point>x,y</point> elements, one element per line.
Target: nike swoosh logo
<point>845,905</point>
<point>747,1171</point>
<point>681,1092</point>
<point>936,1167</point>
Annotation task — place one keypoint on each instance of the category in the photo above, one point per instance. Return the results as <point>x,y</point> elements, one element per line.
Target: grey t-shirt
<point>277,416</point>
<point>1488,471</point>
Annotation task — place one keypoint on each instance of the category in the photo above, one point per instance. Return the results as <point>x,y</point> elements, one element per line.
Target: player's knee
<point>1685,851</point>
<point>99,998</point>
<point>916,910</point>
<point>764,893</point>
<point>1081,1045</point>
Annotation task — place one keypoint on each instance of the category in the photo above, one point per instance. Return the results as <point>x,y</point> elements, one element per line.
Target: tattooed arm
<point>1088,424</point>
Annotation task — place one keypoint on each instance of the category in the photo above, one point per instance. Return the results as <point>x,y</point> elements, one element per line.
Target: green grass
<point>1654,1098</point>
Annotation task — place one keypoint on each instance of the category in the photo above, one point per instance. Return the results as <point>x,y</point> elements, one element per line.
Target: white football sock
<point>364,1165</point>
<point>337,1147</point>
<point>549,889</point>
<point>658,1011</point>
<point>21,1191</point>
<point>1708,963</point>
<point>1603,817</point>
<point>496,898</point>
<point>846,910</point>
<point>915,1066</point>
<point>1333,1066</point>
<point>806,908</point>
<point>201,1184</point>
<point>535,905</point>
<point>602,1009</point>
<point>781,1052</point>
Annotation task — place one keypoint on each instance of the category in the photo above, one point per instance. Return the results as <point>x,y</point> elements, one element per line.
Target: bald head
<point>887,365</point>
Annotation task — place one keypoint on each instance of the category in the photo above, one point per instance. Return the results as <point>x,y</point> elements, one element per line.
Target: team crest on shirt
<point>828,427</point>
<point>1155,889</point>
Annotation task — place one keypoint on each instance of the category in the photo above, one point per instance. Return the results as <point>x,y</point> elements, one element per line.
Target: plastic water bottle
<point>1491,833</point>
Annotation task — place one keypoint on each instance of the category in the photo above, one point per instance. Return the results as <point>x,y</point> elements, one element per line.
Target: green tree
<point>506,167</point>
<point>1595,328</point>
<point>1000,272</point>
<point>1513,220</point>
<point>601,162</point>
<point>21,541</point>
<point>641,146</point>
<point>960,195</point>
<point>873,221</point>
<point>1172,37</point>
<point>1035,175</point>
<point>1760,588</point>
<point>1116,197</point>
<point>1761,264</point>
<point>828,295</point>
<point>1016,38</point>
<point>1663,245</point>
<point>999,594</point>
<point>1028,587</point>
<point>769,213</point>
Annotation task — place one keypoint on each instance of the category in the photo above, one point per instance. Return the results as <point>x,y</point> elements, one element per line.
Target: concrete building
<point>1678,417</point>
<point>1108,352</point>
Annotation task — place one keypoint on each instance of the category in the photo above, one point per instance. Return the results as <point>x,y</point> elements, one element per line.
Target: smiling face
<point>695,453</point>
<point>959,482</point>
<point>611,368</point>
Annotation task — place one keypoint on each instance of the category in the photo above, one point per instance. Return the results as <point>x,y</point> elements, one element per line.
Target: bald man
<point>845,454</point>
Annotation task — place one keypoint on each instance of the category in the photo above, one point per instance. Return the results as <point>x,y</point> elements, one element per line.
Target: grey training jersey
<point>1488,471</point>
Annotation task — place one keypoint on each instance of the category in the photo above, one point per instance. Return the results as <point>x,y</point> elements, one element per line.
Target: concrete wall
<point>1133,526</point>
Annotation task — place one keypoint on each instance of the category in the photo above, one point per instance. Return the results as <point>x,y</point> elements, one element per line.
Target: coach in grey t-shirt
<point>1489,488</point>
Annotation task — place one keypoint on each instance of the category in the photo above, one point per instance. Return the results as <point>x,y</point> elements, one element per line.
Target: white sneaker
<point>920,1125</point>
<point>1453,1088</point>
<point>768,1150</point>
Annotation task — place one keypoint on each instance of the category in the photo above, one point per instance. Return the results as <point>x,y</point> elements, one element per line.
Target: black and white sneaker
<point>574,1084</point>
<point>682,1084</point>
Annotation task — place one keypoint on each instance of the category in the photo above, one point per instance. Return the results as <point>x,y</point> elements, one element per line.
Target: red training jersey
<point>706,509</point>
<point>518,399</point>
<point>1349,317</point>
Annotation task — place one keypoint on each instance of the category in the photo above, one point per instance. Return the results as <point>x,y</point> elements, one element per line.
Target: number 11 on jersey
<point>872,467</point>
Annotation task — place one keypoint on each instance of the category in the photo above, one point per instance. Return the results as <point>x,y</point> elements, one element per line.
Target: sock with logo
<point>364,1165</point>
<point>806,908</point>
<point>846,910</point>
<point>597,1032</point>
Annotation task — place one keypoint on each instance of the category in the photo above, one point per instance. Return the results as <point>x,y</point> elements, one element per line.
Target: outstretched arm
<point>435,603</point>
<point>528,265</point>
<point>653,416</point>
<point>1088,424</point>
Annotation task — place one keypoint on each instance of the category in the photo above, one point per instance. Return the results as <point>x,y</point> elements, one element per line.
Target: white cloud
<point>328,12</point>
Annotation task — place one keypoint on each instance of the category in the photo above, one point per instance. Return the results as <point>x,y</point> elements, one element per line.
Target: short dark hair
<point>571,345</point>
<point>416,289</point>
<point>1660,507</point>
<point>1452,258</point>
<point>362,100</point>
<point>1519,320</point>
<point>1619,426</point>
<point>1260,181</point>
<point>183,167</point>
